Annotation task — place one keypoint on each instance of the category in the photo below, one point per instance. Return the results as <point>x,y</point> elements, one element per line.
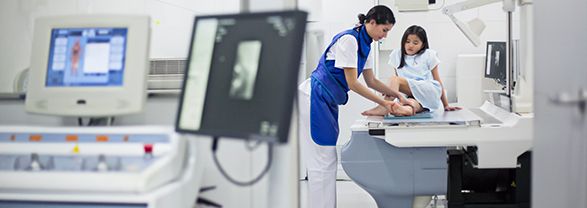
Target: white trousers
<point>321,161</point>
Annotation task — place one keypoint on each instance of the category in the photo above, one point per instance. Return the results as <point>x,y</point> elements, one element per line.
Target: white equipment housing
<point>97,167</point>
<point>83,96</point>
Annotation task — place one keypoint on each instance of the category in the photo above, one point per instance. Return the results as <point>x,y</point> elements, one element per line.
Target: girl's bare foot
<point>376,111</point>
<point>402,110</point>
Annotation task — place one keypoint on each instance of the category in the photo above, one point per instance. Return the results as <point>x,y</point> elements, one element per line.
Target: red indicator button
<point>148,148</point>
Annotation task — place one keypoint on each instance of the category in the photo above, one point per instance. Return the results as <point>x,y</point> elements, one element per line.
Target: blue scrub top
<point>329,89</point>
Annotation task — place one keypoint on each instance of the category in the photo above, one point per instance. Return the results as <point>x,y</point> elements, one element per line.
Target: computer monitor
<point>242,74</point>
<point>89,65</point>
<point>496,62</point>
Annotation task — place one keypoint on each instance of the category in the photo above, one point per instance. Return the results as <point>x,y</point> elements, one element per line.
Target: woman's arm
<point>351,79</point>
<point>443,98</point>
<point>376,84</point>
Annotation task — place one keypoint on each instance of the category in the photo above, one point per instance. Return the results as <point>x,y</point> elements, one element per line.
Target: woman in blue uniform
<point>344,60</point>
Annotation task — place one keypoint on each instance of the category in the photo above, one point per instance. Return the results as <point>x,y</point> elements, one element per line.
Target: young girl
<point>417,77</point>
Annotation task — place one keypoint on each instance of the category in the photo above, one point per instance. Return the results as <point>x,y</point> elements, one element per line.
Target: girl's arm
<point>350,75</point>
<point>443,98</point>
<point>376,84</point>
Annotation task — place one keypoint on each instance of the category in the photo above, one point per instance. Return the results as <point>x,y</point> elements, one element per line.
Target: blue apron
<point>329,89</point>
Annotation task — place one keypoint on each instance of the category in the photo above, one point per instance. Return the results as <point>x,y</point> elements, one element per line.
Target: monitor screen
<point>89,65</point>
<point>496,62</point>
<point>86,57</point>
<point>242,74</point>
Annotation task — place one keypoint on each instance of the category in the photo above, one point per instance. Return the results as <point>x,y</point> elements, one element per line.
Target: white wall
<point>171,26</point>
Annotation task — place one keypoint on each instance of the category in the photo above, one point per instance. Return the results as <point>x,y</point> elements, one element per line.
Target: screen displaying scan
<point>496,68</point>
<point>86,57</point>
<point>496,62</point>
<point>245,69</point>
<point>89,65</point>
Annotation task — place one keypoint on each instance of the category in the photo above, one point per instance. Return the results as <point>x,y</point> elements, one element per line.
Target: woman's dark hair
<point>380,13</point>
<point>413,30</point>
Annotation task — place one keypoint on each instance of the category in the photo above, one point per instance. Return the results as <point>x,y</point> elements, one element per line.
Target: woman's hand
<point>402,100</point>
<point>452,108</point>
<point>389,106</point>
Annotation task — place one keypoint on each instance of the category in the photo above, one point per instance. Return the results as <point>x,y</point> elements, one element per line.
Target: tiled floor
<point>349,195</point>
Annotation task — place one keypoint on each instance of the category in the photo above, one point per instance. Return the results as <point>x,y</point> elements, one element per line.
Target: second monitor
<point>496,62</point>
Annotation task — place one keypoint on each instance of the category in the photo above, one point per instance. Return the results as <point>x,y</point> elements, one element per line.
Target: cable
<point>440,7</point>
<point>252,145</point>
<point>241,183</point>
<point>92,122</point>
<point>110,121</point>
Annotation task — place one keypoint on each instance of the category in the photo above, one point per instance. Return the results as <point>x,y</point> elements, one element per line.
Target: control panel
<point>134,159</point>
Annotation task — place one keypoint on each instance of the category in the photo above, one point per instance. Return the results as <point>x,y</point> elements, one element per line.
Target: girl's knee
<point>394,79</point>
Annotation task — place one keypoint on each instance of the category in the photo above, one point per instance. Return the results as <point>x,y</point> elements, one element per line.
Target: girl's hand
<point>452,108</point>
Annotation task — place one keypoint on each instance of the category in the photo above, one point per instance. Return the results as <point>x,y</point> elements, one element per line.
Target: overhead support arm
<point>473,29</point>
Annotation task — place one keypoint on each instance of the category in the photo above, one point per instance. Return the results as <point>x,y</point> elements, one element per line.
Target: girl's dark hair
<point>413,30</point>
<point>380,13</point>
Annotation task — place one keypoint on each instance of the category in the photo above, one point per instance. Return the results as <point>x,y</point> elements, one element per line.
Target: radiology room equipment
<point>415,5</point>
<point>477,157</point>
<point>145,166</point>
<point>88,65</point>
<point>398,159</point>
<point>519,83</point>
<point>241,79</point>
<point>473,29</point>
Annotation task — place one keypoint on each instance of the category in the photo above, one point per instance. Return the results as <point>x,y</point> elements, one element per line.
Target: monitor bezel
<point>125,99</point>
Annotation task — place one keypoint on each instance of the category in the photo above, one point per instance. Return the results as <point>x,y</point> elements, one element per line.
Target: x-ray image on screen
<point>245,69</point>
<point>496,63</point>
<point>241,76</point>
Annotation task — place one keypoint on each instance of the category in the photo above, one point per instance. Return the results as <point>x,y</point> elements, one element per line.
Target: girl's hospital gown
<point>418,72</point>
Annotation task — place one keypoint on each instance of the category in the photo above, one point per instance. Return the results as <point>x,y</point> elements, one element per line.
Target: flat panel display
<point>241,75</point>
<point>496,62</point>
<point>89,65</point>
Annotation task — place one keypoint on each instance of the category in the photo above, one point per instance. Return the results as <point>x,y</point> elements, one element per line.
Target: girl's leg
<point>401,84</point>
<point>396,83</point>
<point>378,110</point>
<point>409,109</point>
<point>402,110</point>
<point>415,105</point>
